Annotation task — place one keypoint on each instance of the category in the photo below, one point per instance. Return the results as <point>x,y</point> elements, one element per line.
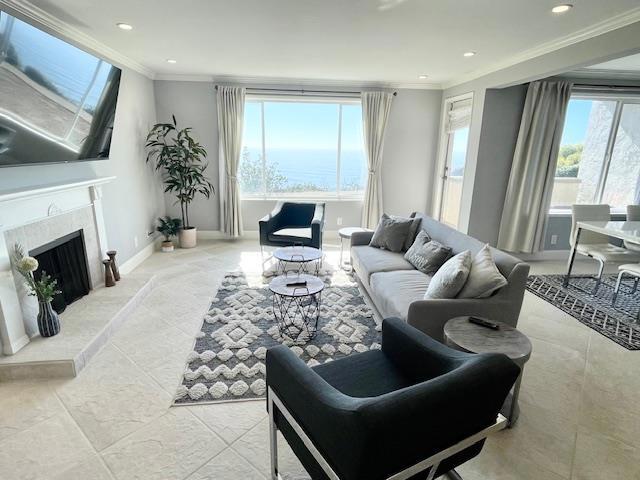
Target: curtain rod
<point>286,91</point>
<point>612,88</point>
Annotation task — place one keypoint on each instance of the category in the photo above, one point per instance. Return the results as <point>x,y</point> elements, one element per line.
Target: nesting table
<point>309,259</point>
<point>463,335</point>
<point>345,234</point>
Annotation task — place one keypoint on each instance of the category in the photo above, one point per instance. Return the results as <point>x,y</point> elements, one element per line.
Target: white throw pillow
<point>450,277</point>
<point>484,276</point>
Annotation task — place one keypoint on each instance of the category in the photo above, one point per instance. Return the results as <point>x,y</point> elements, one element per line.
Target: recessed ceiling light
<point>565,7</point>
<point>423,77</point>
<point>124,26</point>
<point>469,54</point>
<point>171,60</point>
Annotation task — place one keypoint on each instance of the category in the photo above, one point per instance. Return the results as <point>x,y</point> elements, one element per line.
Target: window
<point>302,147</point>
<point>599,158</point>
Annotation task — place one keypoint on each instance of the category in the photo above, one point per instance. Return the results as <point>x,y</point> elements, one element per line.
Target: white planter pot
<point>187,237</point>
<point>167,246</point>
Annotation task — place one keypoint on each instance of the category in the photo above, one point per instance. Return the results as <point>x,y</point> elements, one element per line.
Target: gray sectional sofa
<point>397,289</point>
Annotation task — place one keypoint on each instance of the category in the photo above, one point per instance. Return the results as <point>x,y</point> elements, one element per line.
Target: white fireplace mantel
<point>23,206</point>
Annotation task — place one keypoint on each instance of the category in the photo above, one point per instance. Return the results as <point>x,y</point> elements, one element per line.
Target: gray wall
<point>409,154</point>
<point>132,201</point>
<point>498,135</point>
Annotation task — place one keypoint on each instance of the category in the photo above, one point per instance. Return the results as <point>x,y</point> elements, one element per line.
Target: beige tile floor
<point>580,399</point>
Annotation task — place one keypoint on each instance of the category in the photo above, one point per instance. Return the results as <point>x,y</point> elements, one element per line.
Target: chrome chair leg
<point>599,277</point>
<point>617,289</point>
<point>635,285</point>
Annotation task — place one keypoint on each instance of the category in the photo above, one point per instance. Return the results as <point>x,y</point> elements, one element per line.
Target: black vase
<point>48,321</point>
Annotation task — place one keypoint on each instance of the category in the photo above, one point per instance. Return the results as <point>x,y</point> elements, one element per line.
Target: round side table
<point>308,259</point>
<point>346,233</point>
<point>461,334</point>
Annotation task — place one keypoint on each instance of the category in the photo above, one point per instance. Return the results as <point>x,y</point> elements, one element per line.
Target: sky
<point>576,122</point>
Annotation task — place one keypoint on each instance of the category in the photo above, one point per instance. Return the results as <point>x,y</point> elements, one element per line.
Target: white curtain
<point>230,123</point>
<point>534,165</point>
<point>375,113</point>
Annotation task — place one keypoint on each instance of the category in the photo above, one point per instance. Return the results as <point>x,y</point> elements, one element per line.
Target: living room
<point>239,244</point>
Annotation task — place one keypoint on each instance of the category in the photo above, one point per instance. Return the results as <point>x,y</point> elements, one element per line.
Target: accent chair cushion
<point>427,255</point>
<point>293,232</point>
<point>451,277</point>
<point>391,233</point>
<point>484,277</point>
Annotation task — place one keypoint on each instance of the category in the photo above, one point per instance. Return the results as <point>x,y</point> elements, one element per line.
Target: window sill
<point>566,212</point>
<point>302,199</point>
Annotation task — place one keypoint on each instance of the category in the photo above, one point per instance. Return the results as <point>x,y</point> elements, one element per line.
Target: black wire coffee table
<point>297,308</point>
<point>308,259</point>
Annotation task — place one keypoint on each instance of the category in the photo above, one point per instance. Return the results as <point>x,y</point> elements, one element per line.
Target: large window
<point>302,148</point>
<point>599,160</point>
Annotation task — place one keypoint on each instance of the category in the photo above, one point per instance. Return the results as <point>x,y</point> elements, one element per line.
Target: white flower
<point>27,264</point>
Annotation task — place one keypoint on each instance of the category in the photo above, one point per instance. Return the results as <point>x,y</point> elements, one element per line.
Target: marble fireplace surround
<point>35,216</point>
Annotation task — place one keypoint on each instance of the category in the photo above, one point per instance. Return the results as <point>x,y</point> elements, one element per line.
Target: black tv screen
<point>57,102</point>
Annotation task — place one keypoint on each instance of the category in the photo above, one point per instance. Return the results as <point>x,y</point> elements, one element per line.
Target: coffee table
<point>463,335</point>
<point>345,234</point>
<point>309,259</point>
<point>297,309</point>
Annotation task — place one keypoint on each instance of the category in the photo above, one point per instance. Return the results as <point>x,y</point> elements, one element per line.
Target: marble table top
<point>477,339</point>
<point>279,285</point>
<point>297,254</point>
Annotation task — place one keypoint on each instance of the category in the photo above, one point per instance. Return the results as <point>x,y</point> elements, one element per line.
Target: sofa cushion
<point>367,260</point>
<point>449,280</point>
<point>427,255</point>
<point>393,292</point>
<point>391,233</point>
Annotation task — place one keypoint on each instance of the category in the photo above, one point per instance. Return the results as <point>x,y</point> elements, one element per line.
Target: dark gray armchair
<point>413,406</point>
<point>292,223</point>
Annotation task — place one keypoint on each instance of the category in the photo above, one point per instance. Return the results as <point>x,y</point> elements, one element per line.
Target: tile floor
<point>580,416</point>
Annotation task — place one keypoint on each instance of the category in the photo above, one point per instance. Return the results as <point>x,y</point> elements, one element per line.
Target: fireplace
<point>65,259</point>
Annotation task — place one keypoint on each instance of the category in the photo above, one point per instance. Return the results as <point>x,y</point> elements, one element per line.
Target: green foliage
<point>569,159</point>
<point>181,159</point>
<point>45,287</point>
<point>168,227</point>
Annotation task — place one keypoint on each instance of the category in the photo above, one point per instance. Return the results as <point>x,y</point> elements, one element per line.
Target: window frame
<point>338,195</point>
<point>621,100</point>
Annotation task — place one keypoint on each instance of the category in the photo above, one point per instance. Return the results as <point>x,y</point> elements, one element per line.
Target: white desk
<point>629,231</point>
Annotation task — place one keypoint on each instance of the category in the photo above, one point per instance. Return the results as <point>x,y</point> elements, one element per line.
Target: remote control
<point>297,284</point>
<point>484,323</point>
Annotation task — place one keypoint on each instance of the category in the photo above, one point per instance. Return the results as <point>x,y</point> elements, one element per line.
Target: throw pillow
<point>450,278</point>
<point>484,276</point>
<point>427,255</point>
<point>391,233</point>
<point>413,231</point>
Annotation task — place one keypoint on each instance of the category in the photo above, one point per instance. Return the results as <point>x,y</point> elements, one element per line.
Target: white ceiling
<point>390,41</point>
<point>624,64</point>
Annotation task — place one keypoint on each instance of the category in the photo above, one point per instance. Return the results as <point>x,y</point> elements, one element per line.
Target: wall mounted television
<point>57,102</point>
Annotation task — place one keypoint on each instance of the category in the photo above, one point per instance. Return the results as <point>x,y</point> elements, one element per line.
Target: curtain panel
<point>534,164</point>
<point>230,124</point>
<point>375,114</point>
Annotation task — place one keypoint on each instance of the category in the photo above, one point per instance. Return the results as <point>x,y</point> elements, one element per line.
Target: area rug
<point>228,359</point>
<point>594,310</point>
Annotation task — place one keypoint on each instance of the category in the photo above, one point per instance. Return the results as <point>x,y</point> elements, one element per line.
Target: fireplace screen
<point>65,259</point>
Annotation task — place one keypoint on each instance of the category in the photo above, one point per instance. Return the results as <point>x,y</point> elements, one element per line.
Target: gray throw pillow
<point>427,255</point>
<point>413,231</point>
<point>484,276</point>
<point>391,233</point>
<point>449,280</point>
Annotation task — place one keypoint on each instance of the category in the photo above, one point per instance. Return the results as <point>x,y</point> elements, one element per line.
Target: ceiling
<point>386,41</point>
<point>624,64</point>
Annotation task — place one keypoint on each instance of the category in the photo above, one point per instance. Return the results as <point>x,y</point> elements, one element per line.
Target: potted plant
<point>44,289</point>
<point>169,227</point>
<point>181,159</point>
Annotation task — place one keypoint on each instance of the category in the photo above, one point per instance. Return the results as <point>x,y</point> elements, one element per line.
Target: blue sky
<point>302,126</point>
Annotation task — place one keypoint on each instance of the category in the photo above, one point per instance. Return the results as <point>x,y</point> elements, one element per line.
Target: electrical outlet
<point>554,239</point>
<point>339,221</point>
<point>135,241</point>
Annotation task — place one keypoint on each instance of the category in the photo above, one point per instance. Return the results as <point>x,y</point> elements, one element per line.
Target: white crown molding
<point>299,82</point>
<point>33,14</point>
<point>608,25</point>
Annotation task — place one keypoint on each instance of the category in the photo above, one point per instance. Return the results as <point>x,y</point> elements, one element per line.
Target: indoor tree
<point>181,159</point>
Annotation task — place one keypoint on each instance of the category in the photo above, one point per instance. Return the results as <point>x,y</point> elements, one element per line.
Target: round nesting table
<point>463,335</point>
<point>297,308</point>
<point>308,259</point>
<point>346,233</point>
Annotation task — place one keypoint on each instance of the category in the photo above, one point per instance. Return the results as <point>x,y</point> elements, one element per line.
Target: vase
<point>109,281</point>
<point>187,237</point>
<point>114,267</point>
<point>167,246</point>
<point>48,321</point>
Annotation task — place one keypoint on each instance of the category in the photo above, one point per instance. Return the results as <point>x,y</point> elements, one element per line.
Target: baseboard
<point>138,258</point>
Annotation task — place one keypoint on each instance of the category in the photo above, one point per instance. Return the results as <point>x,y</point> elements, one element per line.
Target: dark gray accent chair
<point>397,289</point>
<point>373,415</point>
<point>293,223</point>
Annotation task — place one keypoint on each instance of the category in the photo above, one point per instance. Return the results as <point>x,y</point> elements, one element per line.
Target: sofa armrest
<point>430,316</point>
<point>361,238</point>
<point>317,223</point>
<point>269,223</point>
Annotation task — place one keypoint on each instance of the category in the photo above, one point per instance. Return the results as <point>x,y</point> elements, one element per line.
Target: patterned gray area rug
<point>228,359</point>
<point>617,323</point>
